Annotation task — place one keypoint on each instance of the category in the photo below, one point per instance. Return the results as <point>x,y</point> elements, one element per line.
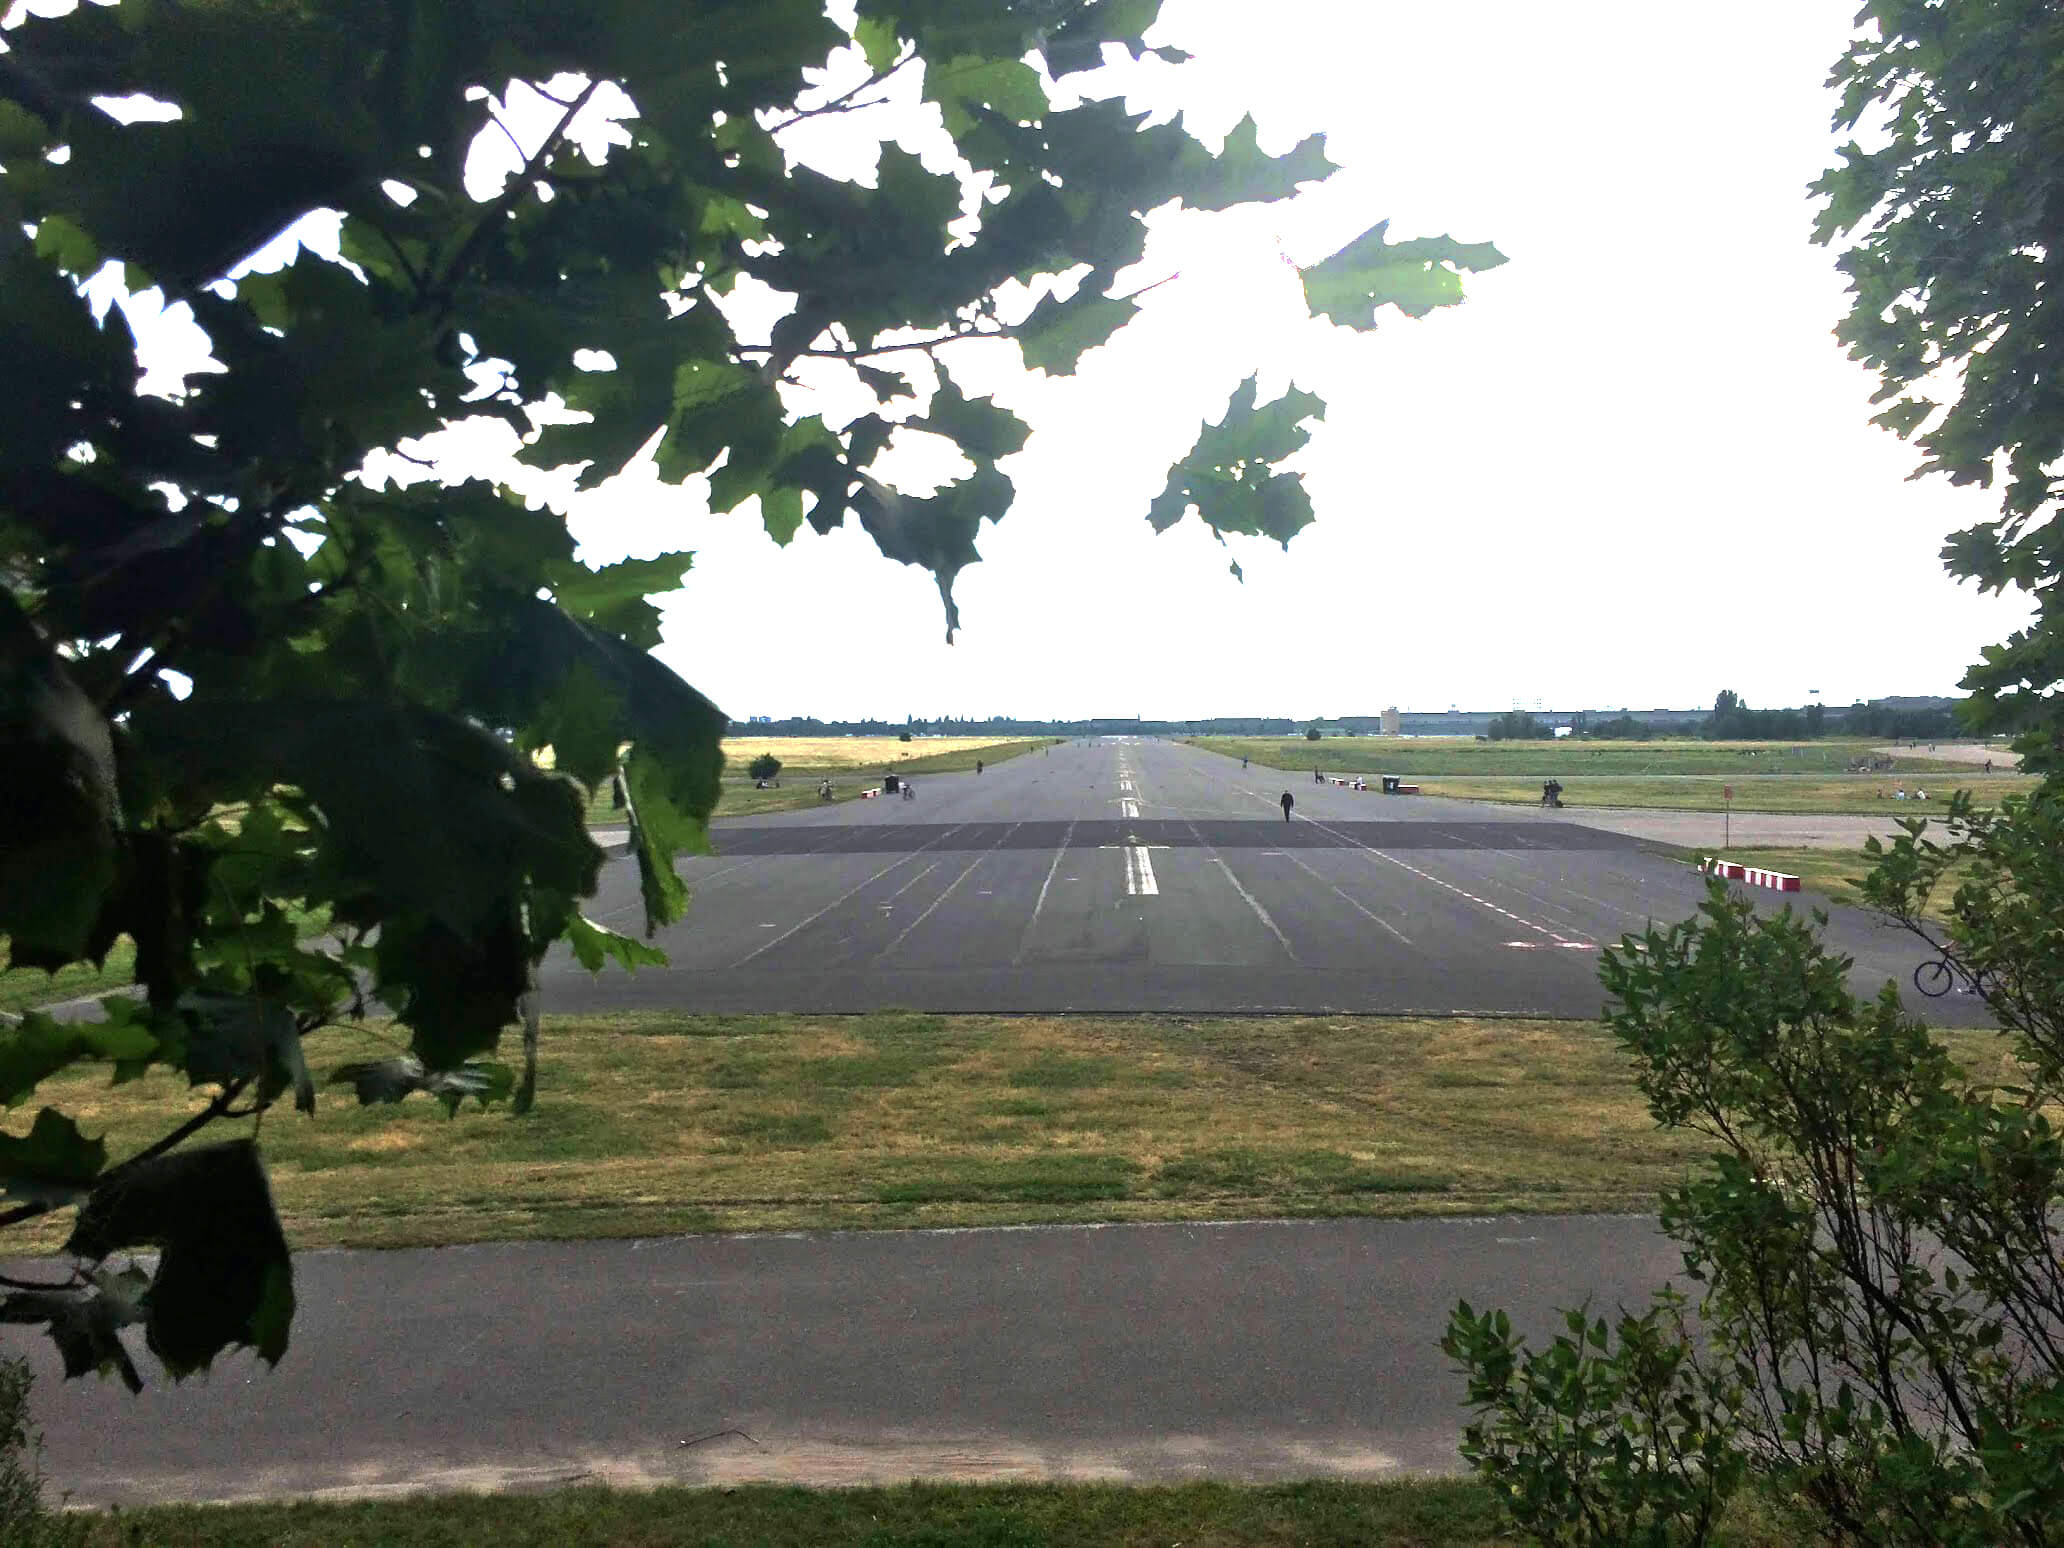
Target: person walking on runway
<point>1288,802</point>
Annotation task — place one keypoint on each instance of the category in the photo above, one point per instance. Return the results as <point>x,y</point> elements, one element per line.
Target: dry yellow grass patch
<point>852,752</point>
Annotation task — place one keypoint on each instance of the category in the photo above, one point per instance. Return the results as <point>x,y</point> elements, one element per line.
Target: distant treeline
<point>1729,720</point>
<point>1734,721</point>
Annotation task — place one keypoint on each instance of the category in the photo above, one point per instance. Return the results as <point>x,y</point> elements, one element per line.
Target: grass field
<point>1445,1513</point>
<point>1859,795</point>
<point>1685,775</point>
<point>662,1123</point>
<point>853,763</point>
<point>1455,755</point>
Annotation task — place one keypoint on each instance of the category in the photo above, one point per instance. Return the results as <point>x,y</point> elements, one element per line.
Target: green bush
<point>766,766</point>
<point>25,1521</point>
<point>1311,734</point>
<point>1876,1243</point>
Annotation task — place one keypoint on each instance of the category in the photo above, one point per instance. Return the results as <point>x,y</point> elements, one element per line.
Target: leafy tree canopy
<point>1949,204</point>
<point>242,683</point>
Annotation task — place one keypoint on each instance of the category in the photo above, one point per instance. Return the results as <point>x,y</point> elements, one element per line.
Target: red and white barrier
<point>869,795</point>
<point>1754,876</point>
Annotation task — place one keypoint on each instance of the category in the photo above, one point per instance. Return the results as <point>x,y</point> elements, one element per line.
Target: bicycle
<point>1935,979</point>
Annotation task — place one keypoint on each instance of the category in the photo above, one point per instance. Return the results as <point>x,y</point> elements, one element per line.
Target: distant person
<point>978,765</point>
<point>1317,778</point>
<point>1288,802</point>
<point>1919,794</point>
<point>909,791</point>
<point>1899,794</point>
<point>1988,765</point>
<point>1243,764</point>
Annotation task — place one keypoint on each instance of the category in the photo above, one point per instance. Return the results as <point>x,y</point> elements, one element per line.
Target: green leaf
<point>614,596</point>
<point>935,531</point>
<point>1057,334</point>
<point>224,1276</point>
<point>53,1163</point>
<point>981,428</point>
<point>1242,174</point>
<point>960,86</point>
<point>245,1037</point>
<point>593,945</point>
<point>85,1319</point>
<point>885,385</point>
<point>1372,272</point>
<point>38,1046</point>
<point>1230,476</point>
<point>877,38</point>
<point>390,1080</point>
<point>781,510</point>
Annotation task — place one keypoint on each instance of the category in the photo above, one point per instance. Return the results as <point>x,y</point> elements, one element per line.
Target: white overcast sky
<point>1632,469</point>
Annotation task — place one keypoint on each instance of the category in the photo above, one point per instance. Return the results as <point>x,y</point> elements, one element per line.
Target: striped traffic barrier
<point>1754,876</point>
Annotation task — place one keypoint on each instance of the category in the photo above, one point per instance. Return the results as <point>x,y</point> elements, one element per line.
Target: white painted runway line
<point>1025,943</point>
<point>942,897</point>
<point>1518,919</point>
<point>890,900</point>
<point>1255,903</point>
<point>804,924</point>
<point>1347,897</point>
<point>921,918</point>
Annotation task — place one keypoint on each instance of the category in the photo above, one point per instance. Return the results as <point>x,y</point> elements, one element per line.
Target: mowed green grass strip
<point>1679,776</point>
<point>1852,794</point>
<point>1404,1514</point>
<point>656,1123</point>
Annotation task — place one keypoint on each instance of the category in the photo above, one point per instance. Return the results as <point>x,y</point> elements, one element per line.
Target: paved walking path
<point>1250,1351</point>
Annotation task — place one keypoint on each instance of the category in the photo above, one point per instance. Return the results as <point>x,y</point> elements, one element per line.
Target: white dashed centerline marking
<point>1139,873</point>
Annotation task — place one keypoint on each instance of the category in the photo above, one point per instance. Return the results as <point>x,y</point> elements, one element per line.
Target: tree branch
<point>927,345</point>
<point>493,215</point>
<point>843,102</point>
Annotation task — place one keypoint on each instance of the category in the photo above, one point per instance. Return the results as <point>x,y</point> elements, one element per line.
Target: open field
<point>1865,795</point>
<point>1411,1513</point>
<point>1681,776</point>
<point>852,763</point>
<point>1564,760</point>
<point>659,1123</point>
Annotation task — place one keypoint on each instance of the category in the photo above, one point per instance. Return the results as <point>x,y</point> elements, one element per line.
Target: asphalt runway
<point>1138,876</point>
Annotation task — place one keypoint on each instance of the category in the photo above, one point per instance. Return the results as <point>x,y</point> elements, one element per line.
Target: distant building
<point>1390,721</point>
